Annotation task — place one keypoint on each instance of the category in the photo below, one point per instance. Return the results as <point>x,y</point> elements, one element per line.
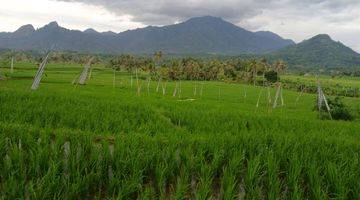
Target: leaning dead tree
<point>39,73</point>
<point>84,74</point>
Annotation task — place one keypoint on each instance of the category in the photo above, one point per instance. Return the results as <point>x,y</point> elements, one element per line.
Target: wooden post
<point>164,88</point>
<point>75,79</point>
<point>278,93</point>
<point>12,65</point>
<point>180,90</point>
<point>269,95</point>
<point>195,89</point>
<point>219,94</point>
<point>137,81</point>
<point>258,100</point>
<point>281,96</point>
<point>131,80</point>
<point>84,75</point>
<point>322,98</point>
<point>110,169</point>
<point>114,78</point>
<point>158,85</point>
<point>39,73</point>
<point>148,85</point>
<point>175,89</point>
<point>301,93</point>
<point>90,73</point>
<point>66,158</point>
<point>245,95</point>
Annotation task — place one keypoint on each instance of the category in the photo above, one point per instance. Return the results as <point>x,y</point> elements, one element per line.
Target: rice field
<point>108,141</point>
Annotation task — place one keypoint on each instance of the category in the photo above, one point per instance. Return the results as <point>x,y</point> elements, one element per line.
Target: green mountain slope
<point>318,52</point>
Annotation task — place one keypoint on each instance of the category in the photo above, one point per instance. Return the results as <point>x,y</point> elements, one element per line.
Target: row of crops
<point>329,88</point>
<point>46,164</point>
<point>101,141</point>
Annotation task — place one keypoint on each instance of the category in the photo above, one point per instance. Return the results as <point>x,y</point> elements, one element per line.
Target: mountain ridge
<point>196,35</point>
<point>318,51</point>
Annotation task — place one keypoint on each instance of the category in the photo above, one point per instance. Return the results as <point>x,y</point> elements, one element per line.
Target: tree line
<point>190,68</point>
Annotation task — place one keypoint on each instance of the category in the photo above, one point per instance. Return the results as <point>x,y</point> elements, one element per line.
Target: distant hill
<point>201,35</point>
<point>320,52</point>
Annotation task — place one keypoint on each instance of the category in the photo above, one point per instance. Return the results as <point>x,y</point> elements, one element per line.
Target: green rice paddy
<point>106,141</point>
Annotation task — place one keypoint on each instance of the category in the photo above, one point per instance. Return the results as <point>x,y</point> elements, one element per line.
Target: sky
<point>292,19</point>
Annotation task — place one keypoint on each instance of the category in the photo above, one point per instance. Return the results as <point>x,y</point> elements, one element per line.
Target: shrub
<point>338,110</point>
<point>271,76</point>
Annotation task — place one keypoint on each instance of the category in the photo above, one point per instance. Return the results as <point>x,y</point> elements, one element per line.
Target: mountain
<point>58,38</point>
<point>319,51</point>
<point>91,31</point>
<point>275,37</point>
<point>206,35</point>
<point>24,31</point>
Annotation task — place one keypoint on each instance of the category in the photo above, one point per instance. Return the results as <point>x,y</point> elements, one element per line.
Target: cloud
<point>162,12</point>
<point>169,11</point>
<point>16,13</point>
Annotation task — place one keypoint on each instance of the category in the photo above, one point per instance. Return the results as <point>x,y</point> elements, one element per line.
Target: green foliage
<point>318,52</point>
<point>271,76</point>
<point>338,110</point>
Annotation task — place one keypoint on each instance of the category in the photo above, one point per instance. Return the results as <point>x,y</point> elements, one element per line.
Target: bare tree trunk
<point>201,90</point>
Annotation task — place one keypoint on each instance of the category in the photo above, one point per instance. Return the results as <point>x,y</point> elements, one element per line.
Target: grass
<point>98,141</point>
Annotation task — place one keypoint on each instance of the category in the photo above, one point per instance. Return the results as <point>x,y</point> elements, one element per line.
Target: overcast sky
<point>293,19</point>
